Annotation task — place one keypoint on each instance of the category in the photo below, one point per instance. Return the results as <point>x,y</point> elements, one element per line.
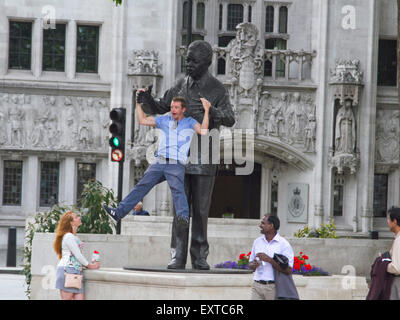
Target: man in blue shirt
<point>138,210</point>
<point>170,159</point>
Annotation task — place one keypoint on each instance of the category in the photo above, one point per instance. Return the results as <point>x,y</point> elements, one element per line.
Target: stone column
<point>322,99</point>
<point>225,16</point>
<point>70,49</point>
<point>367,117</point>
<point>163,199</point>
<point>265,204</point>
<point>276,18</point>
<point>68,182</point>
<point>30,196</point>
<point>37,47</point>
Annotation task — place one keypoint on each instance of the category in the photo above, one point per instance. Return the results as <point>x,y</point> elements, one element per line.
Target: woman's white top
<point>71,250</point>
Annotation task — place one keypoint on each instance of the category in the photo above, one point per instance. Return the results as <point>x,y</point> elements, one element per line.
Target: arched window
<point>269,19</point>
<point>249,14</point>
<point>184,15</point>
<point>235,16</point>
<point>200,15</point>
<point>283,19</point>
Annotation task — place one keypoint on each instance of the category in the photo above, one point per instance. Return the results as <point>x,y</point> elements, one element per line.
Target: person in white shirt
<point>68,248</point>
<point>393,220</point>
<point>261,258</point>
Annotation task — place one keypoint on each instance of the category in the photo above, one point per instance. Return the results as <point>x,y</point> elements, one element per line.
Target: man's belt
<point>265,282</point>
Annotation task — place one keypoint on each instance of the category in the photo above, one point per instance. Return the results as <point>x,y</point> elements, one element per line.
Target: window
<point>54,48</point>
<point>235,16</point>
<point>20,44</point>
<point>221,11</point>
<point>380,195</point>
<point>338,196</point>
<point>387,63</point>
<point>271,44</point>
<point>86,173</point>
<point>269,19</point>
<point>49,175</point>
<point>12,183</point>
<point>87,49</point>
<point>283,19</point>
<point>223,42</point>
<point>185,15</point>
<point>200,15</point>
<point>249,14</point>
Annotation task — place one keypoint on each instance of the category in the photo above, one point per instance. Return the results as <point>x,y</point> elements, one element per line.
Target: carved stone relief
<point>387,136</point>
<point>289,117</point>
<point>47,122</point>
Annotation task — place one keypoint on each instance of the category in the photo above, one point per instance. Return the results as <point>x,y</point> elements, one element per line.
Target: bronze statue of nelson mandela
<point>199,177</point>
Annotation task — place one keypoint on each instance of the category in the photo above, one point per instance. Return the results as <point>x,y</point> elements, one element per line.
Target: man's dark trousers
<point>198,189</point>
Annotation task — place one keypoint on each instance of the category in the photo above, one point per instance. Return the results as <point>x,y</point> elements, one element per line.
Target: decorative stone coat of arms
<point>246,66</point>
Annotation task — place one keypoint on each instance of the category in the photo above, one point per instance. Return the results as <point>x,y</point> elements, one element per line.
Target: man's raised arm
<point>142,118</point>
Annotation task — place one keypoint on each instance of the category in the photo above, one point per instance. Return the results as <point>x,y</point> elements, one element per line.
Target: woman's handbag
<point>73,280</point>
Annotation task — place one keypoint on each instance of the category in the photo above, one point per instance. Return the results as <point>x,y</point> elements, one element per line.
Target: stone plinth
<point>119,284</point>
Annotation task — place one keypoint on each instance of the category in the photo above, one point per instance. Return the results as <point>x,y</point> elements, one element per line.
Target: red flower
<point>242,256</point>
<point>296,266</point>
<point>296,260</point>
<point>308,267</point>
<point>302,261</point>
<point>305,257</point>
<point>301,252</point>
<point>249,253</point>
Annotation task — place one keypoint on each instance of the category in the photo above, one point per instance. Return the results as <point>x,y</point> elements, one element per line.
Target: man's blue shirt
<point>175,139</point>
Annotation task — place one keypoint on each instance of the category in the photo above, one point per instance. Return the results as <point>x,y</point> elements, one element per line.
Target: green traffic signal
<point>115,141</point>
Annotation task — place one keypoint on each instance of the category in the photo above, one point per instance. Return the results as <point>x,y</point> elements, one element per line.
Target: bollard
<point>12,247</point>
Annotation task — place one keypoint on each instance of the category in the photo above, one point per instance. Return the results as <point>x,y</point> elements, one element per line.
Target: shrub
<point>325,231</point>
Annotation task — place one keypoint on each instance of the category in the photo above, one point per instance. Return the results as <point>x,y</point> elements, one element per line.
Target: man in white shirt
<point>261,258</point>
<point>393,220</point>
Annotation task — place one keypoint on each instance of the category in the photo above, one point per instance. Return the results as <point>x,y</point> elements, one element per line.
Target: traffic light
<point>117,130</point>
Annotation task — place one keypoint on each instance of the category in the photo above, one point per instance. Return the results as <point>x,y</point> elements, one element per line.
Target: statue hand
<point>143,96</point>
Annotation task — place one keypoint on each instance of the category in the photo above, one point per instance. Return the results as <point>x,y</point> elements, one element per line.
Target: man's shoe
<point>175,265</point>
<point>112,213</point>
<point>201,264</point>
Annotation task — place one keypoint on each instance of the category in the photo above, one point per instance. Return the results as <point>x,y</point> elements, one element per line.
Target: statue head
<point>198,59</point>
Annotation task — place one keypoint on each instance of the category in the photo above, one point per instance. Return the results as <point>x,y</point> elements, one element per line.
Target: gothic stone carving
<point>246,66</point>
<point>387,136</point>
<point>290,118</point>
<point>47,122</point>
<point>346,79</point>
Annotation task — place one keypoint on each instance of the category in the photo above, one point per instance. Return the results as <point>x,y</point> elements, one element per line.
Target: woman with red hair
<point>68,248</point>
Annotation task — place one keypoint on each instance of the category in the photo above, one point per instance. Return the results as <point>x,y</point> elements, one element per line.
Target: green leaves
<point>325,231</point>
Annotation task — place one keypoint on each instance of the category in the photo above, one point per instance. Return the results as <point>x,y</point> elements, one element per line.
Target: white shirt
<point>69,247</point>
<point>277,245</point>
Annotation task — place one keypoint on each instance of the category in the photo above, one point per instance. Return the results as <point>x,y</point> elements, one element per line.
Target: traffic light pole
<point>119,195</point>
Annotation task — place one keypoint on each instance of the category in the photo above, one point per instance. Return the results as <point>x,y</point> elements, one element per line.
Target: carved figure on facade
<point>289,117</point>
<point>346,80</point>
<point>387,136</point>
<point>3,131</point>
<point>345,129</point>
<point>51,122</point>
<point>16,116</point>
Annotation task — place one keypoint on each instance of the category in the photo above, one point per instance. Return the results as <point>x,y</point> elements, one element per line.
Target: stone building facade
<point>310,81</point>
